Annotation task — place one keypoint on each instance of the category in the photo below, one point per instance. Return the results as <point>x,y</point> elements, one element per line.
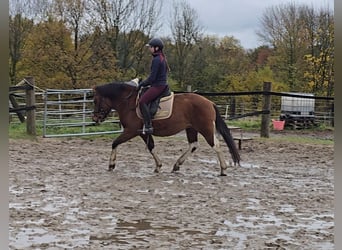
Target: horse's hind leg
<point>150,145</point>
<point>191,134</point>
<point>214,142</point>
<point>220,156</point>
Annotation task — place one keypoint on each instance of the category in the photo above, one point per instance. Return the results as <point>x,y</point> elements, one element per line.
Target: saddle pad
<point>164,109</point>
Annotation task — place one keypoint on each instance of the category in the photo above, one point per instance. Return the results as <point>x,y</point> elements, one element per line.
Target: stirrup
<point>147,131</point>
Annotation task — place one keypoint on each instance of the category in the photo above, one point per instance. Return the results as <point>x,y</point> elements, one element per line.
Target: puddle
<point>141,230</point>
<point>248,165</point>
<point>31,236</point>
<point>208,161</point>
<point>254,204</point>
<point>127,232</point>
<point>287,208</point>
<point>271,222</point>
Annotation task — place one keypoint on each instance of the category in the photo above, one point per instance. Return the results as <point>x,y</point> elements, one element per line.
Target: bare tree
<point>37,10</point>
<point>282,28</point>
<point>186,32</point>
<point>73,13</point>
<point>128,24</point>
<point>303,43</point>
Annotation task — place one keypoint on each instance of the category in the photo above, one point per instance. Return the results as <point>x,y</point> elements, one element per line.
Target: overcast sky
<point>240,18</point>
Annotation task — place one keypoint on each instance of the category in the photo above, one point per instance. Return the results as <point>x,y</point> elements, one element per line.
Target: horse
<point>191,112</point>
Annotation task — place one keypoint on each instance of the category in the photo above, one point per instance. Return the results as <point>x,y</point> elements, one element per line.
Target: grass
<point>18,131</point>
<point>247,125</point>
<point>301,140</point>
<point>254,126</point>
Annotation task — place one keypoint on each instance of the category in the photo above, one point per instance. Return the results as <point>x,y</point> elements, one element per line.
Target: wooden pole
<point>15,105</point>
<point>30,102</point>
<point>266,118</point>
<point>232,112</point>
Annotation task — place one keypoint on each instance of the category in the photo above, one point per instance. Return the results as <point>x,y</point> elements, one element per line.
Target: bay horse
<point>191,112</point>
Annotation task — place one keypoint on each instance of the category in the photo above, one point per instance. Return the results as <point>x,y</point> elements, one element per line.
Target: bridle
<point>104,108</point>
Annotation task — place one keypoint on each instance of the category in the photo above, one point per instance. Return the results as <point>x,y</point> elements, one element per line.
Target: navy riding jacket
<point>158,75</point>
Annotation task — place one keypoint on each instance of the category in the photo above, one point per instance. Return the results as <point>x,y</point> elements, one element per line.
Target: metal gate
<point>68,113</point>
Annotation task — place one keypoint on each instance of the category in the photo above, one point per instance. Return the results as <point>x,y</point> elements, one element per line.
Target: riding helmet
<point>156,42</point>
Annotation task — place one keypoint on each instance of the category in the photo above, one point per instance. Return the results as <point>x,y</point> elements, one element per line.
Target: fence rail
<point>28,86</point>
<point>68,112</point>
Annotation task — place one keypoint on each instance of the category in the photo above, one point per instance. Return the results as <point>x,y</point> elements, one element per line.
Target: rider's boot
<point>147,129</point>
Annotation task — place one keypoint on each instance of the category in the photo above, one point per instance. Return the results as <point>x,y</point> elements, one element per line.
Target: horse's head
<point>102,106</point>
<point>115,95</point>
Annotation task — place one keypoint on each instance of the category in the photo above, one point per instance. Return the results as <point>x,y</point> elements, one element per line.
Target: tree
<point>21,20</point>
<point>73,14</point>
<point>186,32</point>
<point>259,56</point>
<point>50,57</point>
<point>320,55</point>
<point>19,29</point>
<point>302,43</point>
<point>128,25</point>
<point>282,28</point>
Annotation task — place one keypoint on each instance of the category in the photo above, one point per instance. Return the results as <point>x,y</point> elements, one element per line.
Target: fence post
<point>232,106</point>
<point>266,118</point>
<point>30,102</point>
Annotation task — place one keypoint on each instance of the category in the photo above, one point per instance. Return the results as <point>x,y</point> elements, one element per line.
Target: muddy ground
<point>63,197</point>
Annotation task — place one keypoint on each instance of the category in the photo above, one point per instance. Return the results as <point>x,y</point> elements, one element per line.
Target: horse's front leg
<point>125,136</point>
<point>112,159</point>
<point>150,145</point>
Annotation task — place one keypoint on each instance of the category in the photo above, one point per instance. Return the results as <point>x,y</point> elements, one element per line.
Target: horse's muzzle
<point>96,119</point>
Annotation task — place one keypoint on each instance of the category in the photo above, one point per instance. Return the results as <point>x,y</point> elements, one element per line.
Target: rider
<point>157,79</point>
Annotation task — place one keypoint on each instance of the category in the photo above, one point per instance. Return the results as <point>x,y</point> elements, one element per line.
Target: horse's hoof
<point>111,167</point>
<point>156,171</point>
<point>175,169</point>
<point>223,174</point>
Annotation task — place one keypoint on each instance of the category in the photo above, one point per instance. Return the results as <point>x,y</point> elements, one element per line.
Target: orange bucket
<point>278,125</point>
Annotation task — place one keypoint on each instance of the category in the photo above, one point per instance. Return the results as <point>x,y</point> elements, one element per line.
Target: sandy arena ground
<point>63,197</point>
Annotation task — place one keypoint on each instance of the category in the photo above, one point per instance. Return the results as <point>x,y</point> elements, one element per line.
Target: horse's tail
<point>223,129</point>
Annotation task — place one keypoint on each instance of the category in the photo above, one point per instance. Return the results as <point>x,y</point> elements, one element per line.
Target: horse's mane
<point>112,89</point>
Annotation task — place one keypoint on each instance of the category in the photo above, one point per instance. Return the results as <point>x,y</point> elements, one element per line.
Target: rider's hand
<point>141,84</point>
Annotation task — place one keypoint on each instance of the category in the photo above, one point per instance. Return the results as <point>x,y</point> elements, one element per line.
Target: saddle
<point>161,107</point>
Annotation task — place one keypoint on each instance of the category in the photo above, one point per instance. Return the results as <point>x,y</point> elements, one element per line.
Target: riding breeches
<point>152,93</point>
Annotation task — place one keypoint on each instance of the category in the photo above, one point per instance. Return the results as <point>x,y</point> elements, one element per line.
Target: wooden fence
<point>26,85</point>
<point>233,105</point>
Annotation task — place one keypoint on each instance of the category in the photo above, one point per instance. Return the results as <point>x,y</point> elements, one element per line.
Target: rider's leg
<point>148,129</point>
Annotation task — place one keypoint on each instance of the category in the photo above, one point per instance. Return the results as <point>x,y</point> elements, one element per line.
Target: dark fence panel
<point>249,105</point>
